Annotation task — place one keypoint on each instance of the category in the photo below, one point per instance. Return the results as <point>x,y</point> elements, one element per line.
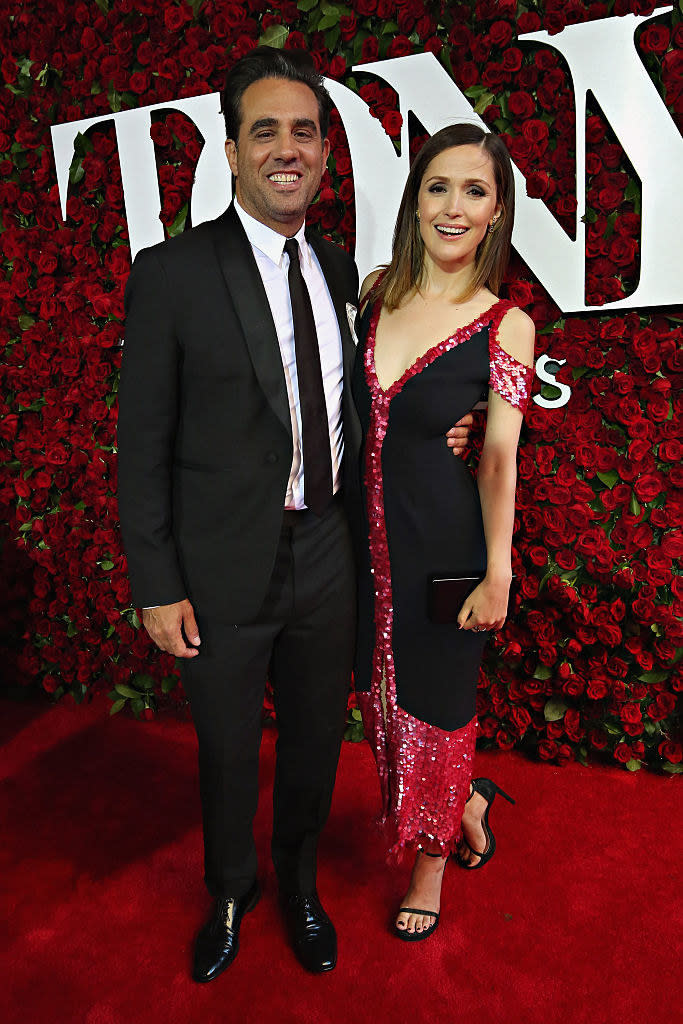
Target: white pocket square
<point>351,314</point>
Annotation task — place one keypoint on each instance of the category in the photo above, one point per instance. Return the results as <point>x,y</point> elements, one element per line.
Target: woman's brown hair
<point>405,270</point>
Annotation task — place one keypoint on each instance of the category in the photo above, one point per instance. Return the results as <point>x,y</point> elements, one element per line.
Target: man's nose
<point>285,147</point>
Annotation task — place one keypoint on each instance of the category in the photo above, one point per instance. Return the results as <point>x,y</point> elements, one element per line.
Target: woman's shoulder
<point>516,334</point>
<point>368,284</point>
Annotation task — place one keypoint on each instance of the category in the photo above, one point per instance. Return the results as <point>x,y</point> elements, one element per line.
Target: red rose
<point>623,753</point>
<point>547,750</point>
<point>521,104</point>
<point>348,26</point>
<point>176,17</point>
<point>391,122</point>
<point>655,39</point>
<point>631,713</point>
<point>500,33</point>
<point>672,752</point>
<point>400,46</point>
<point>466,74</point>
<point>512,59</point>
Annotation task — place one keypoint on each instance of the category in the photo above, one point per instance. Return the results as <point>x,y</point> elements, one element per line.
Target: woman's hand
<point>487,606</point>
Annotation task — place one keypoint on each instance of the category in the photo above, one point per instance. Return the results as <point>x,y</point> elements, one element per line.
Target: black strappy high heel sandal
<point>403,933</point>
<point>487,789</point>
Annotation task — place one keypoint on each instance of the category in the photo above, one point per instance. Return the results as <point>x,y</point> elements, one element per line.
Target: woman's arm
<point>486,607</point>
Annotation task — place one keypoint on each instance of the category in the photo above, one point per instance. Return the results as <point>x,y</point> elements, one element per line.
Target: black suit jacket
<point>204,436</point>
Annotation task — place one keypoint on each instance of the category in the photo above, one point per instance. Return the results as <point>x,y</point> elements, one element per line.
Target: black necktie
<point>315,429</point>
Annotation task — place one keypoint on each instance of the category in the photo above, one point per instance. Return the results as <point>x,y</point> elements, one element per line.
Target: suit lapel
<point>250,301</point>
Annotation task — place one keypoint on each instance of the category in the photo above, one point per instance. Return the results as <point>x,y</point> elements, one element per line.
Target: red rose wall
<point>588,662</point>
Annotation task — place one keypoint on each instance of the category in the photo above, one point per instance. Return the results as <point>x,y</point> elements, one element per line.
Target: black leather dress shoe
<point>311,931</point>
<point>218,941</point>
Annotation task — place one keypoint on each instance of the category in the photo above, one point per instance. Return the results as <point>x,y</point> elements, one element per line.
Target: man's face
<point>279,158</point>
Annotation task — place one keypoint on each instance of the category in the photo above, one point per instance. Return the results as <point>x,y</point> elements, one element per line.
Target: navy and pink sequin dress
<point>416,680</point>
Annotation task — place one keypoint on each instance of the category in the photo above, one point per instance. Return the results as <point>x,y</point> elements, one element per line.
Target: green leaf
<point>82,145</point>
<point>673,769</point>
<point>634,506</point>
<point>25,321</point>
<point>143,681</point>
<point>76,172</point>
<point>178,225</point>
<point>633,764</point>
<point>275,35</point>
<point>196,6</point>
<point>543,672</point>
<point>609,479</point>
<point>307,5</point>
<point>483,102</point>
<point>114,98</point>
<point>328,21</point>
<point>107,565</point>
<point>138,706</point>
<point>109,632</point>
<point>611,221</point>
<point>116,706</point>
<point>554,710</point>
<point>356,715</point>
<point>71,630</point>
<point>632,195</point>
<point>103,5</point>
<point>579,371</point>
<point>354,732</point>
<point>169,683</point>
<point>653,676</point>
<point>612,729</point>
<point>332,37</point>
<point>126,691</point>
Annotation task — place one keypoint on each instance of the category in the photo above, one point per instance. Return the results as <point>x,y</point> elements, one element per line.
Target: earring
<point>417,215</point>
<point>493,223</point>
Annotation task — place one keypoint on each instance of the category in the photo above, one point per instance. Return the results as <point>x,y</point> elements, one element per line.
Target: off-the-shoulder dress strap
<point>508,377</point>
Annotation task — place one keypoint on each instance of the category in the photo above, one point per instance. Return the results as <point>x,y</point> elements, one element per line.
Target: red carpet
<point>575,919</point>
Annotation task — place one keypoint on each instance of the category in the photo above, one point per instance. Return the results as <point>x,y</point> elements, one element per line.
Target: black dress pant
<point>303,640</point>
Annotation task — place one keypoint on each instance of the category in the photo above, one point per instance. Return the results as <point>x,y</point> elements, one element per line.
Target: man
<point>236,429</point>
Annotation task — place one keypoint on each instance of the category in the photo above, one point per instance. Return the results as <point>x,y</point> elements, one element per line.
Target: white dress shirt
<point>273,264</point>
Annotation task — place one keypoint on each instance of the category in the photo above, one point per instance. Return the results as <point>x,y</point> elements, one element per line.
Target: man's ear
<point>231,153</point>
<point>326,150</point>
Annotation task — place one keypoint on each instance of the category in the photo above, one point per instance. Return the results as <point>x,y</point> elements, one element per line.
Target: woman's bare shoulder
<point>368,284</point>
<point>516,335</point>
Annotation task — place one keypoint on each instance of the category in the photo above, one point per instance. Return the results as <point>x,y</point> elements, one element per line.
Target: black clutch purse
<point>447,594</point>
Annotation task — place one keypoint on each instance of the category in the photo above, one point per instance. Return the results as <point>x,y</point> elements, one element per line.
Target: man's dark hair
<point>268,62</point>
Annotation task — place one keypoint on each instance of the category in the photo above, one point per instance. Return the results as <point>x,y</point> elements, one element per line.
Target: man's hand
<point>166,625</point>
<point>457,436</point>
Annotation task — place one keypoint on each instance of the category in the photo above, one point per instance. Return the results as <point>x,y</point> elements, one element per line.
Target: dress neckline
<point>482,319</point>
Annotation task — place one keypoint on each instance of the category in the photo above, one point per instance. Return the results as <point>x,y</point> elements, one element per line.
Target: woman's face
<point>456,203</point>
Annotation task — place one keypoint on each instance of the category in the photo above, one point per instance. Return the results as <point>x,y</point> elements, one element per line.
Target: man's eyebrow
<point>272,122</point>
<point>263,122</point>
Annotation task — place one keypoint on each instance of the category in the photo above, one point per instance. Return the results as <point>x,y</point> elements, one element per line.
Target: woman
<point>436,339</point>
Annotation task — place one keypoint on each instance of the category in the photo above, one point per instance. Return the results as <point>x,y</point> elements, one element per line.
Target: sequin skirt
<point>424,772</point>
